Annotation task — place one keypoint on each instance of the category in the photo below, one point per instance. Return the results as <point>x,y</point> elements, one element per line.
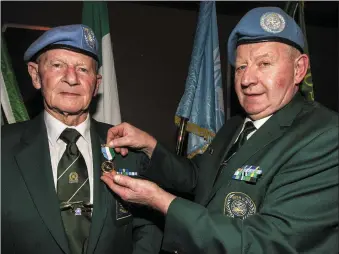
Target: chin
<point>254,111</point>
<point>71,110</point>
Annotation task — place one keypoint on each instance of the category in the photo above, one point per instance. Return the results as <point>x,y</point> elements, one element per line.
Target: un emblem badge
<point>239,205</point>
<point>89,37</point>
<point>272,22</point>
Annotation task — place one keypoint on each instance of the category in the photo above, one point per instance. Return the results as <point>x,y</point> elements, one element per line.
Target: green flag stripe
<point>14,99</point>
<point>95,16</point>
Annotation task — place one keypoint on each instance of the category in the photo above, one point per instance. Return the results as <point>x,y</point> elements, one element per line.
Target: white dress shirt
<point>57,147</point>
<point>257,124</point>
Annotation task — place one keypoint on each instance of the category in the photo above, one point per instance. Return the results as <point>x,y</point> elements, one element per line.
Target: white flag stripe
<point>108,109</point>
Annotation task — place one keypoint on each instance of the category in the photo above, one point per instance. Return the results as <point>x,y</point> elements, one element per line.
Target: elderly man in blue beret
<point>53,199</point>
<point>271,183</point>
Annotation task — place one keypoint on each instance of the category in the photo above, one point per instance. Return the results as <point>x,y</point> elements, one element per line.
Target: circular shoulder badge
<point>89,37</point>
<point>239,205</point>
<point>272,22</point>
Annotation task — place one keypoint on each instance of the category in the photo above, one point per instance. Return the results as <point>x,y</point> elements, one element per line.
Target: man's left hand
<point>139,191</point>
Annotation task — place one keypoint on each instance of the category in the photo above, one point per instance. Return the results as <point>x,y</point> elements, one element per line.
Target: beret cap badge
<point>272,22</point>
<point>89,37</point>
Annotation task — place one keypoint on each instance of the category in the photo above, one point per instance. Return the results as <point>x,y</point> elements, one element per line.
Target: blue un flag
<point>202,102</point>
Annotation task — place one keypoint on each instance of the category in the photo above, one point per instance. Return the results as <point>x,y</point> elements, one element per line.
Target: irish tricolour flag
<point>95,15</point>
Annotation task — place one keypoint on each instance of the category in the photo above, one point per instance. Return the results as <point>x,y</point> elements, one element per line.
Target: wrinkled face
<point>68,80</point>
<point>267,75</point>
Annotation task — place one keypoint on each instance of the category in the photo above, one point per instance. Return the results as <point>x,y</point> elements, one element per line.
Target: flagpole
<point>181,135</point>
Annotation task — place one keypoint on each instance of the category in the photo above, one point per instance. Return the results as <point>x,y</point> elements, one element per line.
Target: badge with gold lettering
<point>239,205</point>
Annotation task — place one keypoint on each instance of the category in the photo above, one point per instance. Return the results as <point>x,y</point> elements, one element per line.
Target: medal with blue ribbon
<point>109,154</point>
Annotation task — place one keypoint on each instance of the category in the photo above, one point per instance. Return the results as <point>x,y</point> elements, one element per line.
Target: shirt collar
<point>56,127</point>
<point>258,123</point>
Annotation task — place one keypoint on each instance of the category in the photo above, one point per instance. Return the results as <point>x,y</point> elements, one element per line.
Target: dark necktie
<point>249,127</point>
<point>73,192</point>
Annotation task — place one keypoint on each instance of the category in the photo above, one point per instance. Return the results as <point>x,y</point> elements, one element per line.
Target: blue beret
<point>78,38</point>
<point>265,24</point>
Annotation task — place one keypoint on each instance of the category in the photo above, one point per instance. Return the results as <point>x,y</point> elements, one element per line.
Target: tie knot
<point>249,127</point>
<point>70,136</point>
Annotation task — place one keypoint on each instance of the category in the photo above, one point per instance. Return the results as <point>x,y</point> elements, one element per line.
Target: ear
<point>33,70</point>
<point>300,68</point>
<point>98,83</point>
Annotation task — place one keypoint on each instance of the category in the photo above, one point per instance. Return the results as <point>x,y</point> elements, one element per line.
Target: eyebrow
<point>263,56</point>
<point>256,58</point>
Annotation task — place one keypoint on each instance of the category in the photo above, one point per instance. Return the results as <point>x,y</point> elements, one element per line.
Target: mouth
<point>253,94</point>
<point>69,94</point>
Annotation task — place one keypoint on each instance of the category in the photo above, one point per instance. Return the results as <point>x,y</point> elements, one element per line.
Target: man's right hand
<point>124,136</point>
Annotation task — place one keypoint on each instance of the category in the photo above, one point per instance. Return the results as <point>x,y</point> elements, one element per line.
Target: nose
<point>71,76</point>
<point>249,77</point>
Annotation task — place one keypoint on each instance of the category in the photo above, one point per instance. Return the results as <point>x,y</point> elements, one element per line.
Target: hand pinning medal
<point>108,153</point>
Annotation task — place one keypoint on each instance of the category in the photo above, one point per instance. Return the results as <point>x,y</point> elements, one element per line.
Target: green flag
<point>95,15</point>
<point>296,10</point>
<point>11,100</point>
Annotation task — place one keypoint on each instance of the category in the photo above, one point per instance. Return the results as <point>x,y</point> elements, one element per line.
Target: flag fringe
<point>198,151</point>
<point>196,129</point>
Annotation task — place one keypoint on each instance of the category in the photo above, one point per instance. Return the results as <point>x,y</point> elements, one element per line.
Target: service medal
<point>107,166</point>
<point>108,153</point>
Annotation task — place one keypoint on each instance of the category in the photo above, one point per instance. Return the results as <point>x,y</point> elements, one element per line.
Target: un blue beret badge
<point>89,37</point>
<point>272,22</point>
<point>238,205</point>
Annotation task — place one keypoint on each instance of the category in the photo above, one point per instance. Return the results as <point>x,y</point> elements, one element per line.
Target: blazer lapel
<point>35,166</point>
<point>216,152</point>
<point>270,131</point>
<point>99,201</point>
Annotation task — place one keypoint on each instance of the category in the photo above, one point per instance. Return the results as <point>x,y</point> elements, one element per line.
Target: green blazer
<point>30,214</point>
<point>291,208</point>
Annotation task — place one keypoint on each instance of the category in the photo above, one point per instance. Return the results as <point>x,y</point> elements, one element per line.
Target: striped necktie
<point>249,128</point>
<point>74,191</point>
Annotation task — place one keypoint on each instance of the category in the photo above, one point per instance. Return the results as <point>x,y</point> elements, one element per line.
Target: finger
<point>125,181</point>
<point>121,191</point>
<point>115,132</point>
<point>119,142</point>
<point>117,149</point>
<point>110,174</point>
<point>124,151</point>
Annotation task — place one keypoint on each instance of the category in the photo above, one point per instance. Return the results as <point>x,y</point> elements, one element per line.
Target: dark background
<point>152,46</point>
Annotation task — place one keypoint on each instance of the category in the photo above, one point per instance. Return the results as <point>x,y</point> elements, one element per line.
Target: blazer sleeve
<point>147,232</point>
<point>172,172</point>
<point>299,213</point>
<point>148,225</point>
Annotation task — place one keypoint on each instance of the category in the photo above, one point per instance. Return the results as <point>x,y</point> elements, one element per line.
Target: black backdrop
<point>152,45</point>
